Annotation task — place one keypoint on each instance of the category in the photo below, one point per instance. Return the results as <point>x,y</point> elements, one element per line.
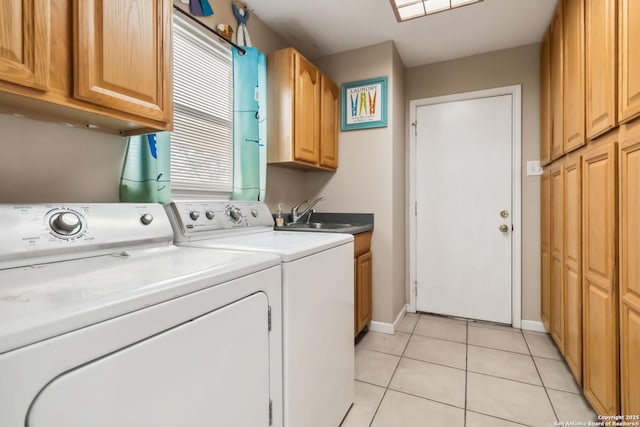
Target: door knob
<point>504,228</point>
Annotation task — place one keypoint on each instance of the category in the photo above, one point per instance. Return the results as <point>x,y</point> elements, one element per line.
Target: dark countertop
<point>359,222</point>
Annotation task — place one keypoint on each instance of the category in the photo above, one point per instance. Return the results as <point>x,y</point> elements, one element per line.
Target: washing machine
<point>317,300</point>
<point>104,322</point>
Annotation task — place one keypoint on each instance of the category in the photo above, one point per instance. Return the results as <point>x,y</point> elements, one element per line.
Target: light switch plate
<point>534,168</point>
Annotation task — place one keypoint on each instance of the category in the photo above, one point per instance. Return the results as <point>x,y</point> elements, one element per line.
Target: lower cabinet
<point>600,291</point>
<point>572,273</point>
<point>557,255</point>
<point>362,265</point>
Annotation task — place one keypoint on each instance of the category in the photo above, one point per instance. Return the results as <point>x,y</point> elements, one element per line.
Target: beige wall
<point>518,65</point>
<point>370,177</point>
<point>43,162</point>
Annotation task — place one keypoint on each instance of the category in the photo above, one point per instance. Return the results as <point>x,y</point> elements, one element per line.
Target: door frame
<point>516,189</point>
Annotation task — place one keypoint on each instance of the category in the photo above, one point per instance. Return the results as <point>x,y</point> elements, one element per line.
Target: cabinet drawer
<point>362,243</point>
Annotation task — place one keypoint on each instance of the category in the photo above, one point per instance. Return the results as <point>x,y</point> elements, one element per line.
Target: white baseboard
<point>533,325</point>
<point>388,328</point>
<point>385,328</point>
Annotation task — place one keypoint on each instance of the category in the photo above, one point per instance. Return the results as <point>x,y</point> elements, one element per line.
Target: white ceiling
<point>324,27</point>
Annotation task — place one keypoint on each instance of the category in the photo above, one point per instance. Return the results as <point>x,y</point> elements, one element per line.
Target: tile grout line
<point>541,380</point>
<point>386,389</point>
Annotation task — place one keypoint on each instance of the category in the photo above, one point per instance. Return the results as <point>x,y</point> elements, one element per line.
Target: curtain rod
<point>241,50</point>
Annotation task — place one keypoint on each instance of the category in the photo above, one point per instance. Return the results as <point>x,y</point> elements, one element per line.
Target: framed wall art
<point>364,104</point>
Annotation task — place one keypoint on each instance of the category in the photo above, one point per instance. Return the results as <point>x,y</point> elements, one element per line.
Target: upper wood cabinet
<point>600,66</point>
<point>629,157</point>
<point>629,51</point>
<point>545,100</point>
<point>303,113</point>
<point>24,43</point>
<point>572,210</point>
<point>330,112</point>
<point>573,77</point>
<point>103,64</point>
<point>306,111</point>
<point>557,255</point>
<point>556,52</point>
<point>545,244</point>
<point>600,291</point>
<point>122,55</point>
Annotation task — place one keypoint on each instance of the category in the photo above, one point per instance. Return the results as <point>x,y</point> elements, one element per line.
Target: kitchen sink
<point>317,226</point>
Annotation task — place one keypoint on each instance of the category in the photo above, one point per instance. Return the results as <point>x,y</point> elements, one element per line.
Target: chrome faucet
<point>295,217</point>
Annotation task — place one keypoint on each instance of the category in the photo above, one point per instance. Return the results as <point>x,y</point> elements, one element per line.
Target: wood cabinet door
<point>122,55</point>
<point>545,246</point>
<point>545,101</point>
<point>329,114</point>
<point>306,111</point>
<point>557,256</point>
<point>630,276</point>
<point>600,66</point>
<point>573,265</point>
<point>600,293</point>
<point>557,115</point>
<point>573,77</point>
<point>24,42</point>
<point>629,60</point>
<point>364,282</point>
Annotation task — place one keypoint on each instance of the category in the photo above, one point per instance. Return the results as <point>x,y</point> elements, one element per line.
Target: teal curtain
<point>249,125</point>
<point>146,170</point>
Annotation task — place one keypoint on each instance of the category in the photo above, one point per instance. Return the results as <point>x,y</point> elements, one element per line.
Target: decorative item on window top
<point>146,169</point>
<point>364,104</point>
<point>225,30</point>
<point>249,125</point>
<point>242,16</point>
<point>199,7</point>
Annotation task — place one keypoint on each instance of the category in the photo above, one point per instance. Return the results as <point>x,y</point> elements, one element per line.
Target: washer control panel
<point>193,217</point>
<point>64,231</point>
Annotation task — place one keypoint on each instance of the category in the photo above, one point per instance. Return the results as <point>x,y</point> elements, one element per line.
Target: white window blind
<point>202,139</point>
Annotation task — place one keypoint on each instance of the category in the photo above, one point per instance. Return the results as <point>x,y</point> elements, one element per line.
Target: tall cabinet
<point>590,197</point>
<point>629,158</point>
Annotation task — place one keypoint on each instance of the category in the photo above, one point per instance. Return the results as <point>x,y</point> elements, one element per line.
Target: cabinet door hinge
<point>270,412</point>
<point>269,317</point>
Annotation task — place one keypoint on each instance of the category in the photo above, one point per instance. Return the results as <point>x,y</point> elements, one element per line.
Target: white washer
<point>104,322</point>
<point>317,301</point>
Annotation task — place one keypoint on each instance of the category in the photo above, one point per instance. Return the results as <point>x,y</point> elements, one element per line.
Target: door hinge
<point>415,289</point>
<point>416,208</point>
<point>269,317</point>
<point>415,127</point>
<point>270,412</point>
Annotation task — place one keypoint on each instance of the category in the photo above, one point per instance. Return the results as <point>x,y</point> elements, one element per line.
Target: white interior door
<point>463,187</point>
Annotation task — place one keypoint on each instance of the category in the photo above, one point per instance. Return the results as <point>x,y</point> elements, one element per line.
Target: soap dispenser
<point>279,217</point>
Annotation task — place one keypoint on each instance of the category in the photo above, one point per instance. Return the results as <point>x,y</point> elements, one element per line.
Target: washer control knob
<point>254,212</point>
<point>210,214</point>
<point>194,215</point>
<point>235,213</point>
<point>66,223</point>
<point>146,219</point>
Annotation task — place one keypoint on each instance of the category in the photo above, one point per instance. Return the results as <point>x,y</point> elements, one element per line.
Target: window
<point>202,139</point>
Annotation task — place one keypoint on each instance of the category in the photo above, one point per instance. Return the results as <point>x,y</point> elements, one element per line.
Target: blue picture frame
<point>364,104</point>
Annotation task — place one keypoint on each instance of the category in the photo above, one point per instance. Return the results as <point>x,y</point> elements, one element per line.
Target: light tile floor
<point>442,372</point>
